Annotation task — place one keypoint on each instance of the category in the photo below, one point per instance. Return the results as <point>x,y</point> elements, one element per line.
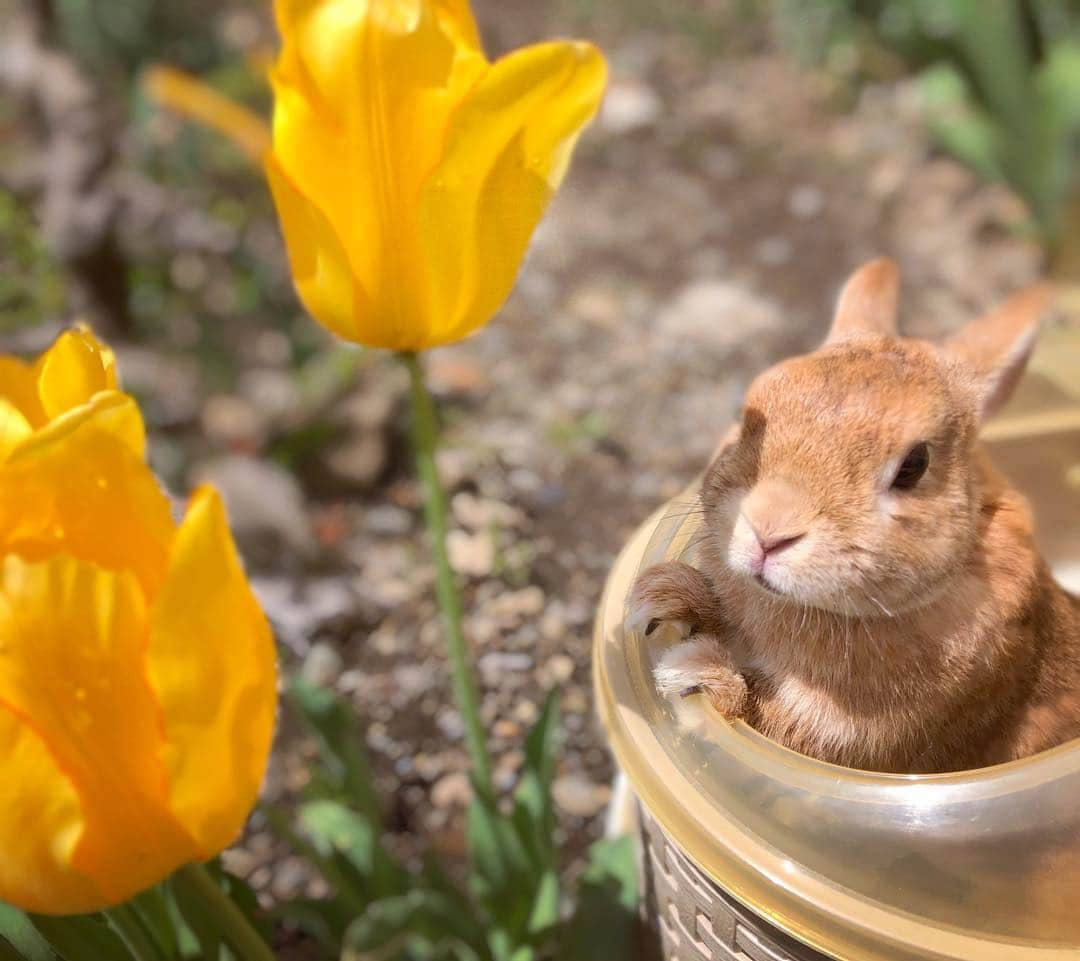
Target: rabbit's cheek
<point>744,554</point>
<point>819,571</point>
<point>810,573</point>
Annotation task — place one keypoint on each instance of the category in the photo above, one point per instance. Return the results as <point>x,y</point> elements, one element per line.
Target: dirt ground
<point>710,215</point>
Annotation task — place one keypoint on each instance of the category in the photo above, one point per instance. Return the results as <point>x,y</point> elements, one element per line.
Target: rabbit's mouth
<point>760,580</point>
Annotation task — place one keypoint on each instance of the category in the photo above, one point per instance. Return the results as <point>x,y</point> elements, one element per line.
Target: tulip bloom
<point>408,171</point>
<point>75,378</point>
<point>137,672</point>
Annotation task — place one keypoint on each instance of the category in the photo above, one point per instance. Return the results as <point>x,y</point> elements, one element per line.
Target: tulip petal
<point>14,428</point>
<point>73,669</point>
<point>41,825</point>
<point>76,367</point>
<point>320,267</point>
<point>212,664</point>
<point>456,17</point>
<point>329,45</point>
<point>506,151</point>
<point>110,412</point>
<point>18,385</point>
<point>77,486</point>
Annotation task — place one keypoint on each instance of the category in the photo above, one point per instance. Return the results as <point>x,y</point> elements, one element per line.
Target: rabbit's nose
<point>769,540</point>
<point>775,543</point>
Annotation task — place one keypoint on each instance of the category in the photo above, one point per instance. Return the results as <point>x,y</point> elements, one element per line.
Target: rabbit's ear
<point>997,347</point>
<point>867,304</point>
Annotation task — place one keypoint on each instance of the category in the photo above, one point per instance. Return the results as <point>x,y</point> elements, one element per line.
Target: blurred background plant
<point>31,285</point>
<point>1000,84</point>
<point>511,906</point>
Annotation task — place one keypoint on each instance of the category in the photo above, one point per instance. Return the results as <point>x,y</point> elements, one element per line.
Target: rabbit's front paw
<point>672,592</point>
<point>702,666</point>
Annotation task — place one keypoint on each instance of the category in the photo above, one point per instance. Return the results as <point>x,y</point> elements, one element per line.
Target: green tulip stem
<point>227,918</point>
<point>424,437</point>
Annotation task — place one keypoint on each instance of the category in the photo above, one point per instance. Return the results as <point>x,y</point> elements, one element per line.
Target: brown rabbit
<point>867,589</point>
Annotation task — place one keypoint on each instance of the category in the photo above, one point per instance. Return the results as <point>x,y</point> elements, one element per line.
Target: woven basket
<point>695,919</point>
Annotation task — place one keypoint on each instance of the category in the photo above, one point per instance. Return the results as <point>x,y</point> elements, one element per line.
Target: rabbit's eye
<point>912,467</point>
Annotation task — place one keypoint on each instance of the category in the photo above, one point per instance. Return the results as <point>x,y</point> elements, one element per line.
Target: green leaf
<point>351,840</point>
<point>152,906</point>
<point>134,931</point>
<point>545,909</point>
<point>7,952</point>
<point>422,921</point>
<point>513,858</point>
<point>337,730</point>
<point>17,931</point>
<point>504,877</point>
<point>247,901</point>
<point>347,889</point>
<point>81,937</point>
<point>500,943</point>
<point>434,878</point>
<point>192,912</point>
<point>534,813</point>
<point>473,935</point>
<point>1058,82</point>
<point>324,919</point>
<point>499,858</point>
<point>534,820</point>
<point>187,945</point>
<point>960,127</point>
<point>989,42</point>
<point>605,921</point>
<point>332,827</point>
<point>540,744</point>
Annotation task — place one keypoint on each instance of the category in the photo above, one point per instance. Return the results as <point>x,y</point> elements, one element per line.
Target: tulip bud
<point>409,172</point>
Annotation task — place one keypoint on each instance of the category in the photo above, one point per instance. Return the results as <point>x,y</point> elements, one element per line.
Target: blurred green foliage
<point>128,33</point>
<point>715,27</point>
<point>510,907</point>
<point>1001,83</point>
<point>31,284</point>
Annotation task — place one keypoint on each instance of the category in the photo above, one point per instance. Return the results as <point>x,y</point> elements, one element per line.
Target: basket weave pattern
<point>696,919</point>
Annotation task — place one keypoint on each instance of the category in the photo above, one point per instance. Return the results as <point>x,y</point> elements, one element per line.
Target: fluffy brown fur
<point>892,629</point>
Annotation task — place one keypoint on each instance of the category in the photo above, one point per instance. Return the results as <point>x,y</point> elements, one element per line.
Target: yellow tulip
<point>137,672</point>
<point>73,379</point>
<point>408,171</point>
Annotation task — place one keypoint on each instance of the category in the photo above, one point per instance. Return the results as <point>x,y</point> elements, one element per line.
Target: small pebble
<point>471,554</point>
<point>629,106</point>
<point>506,729</point>
<point>805,202</point>
<point>451,790</point>
<point>578,796</point>
<point>322,665</point>
<point>560,668</point>
<point>774,251</point>
<point>495,665</point>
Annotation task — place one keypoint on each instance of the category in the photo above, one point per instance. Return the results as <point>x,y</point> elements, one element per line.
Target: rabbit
<point>867,589</point>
